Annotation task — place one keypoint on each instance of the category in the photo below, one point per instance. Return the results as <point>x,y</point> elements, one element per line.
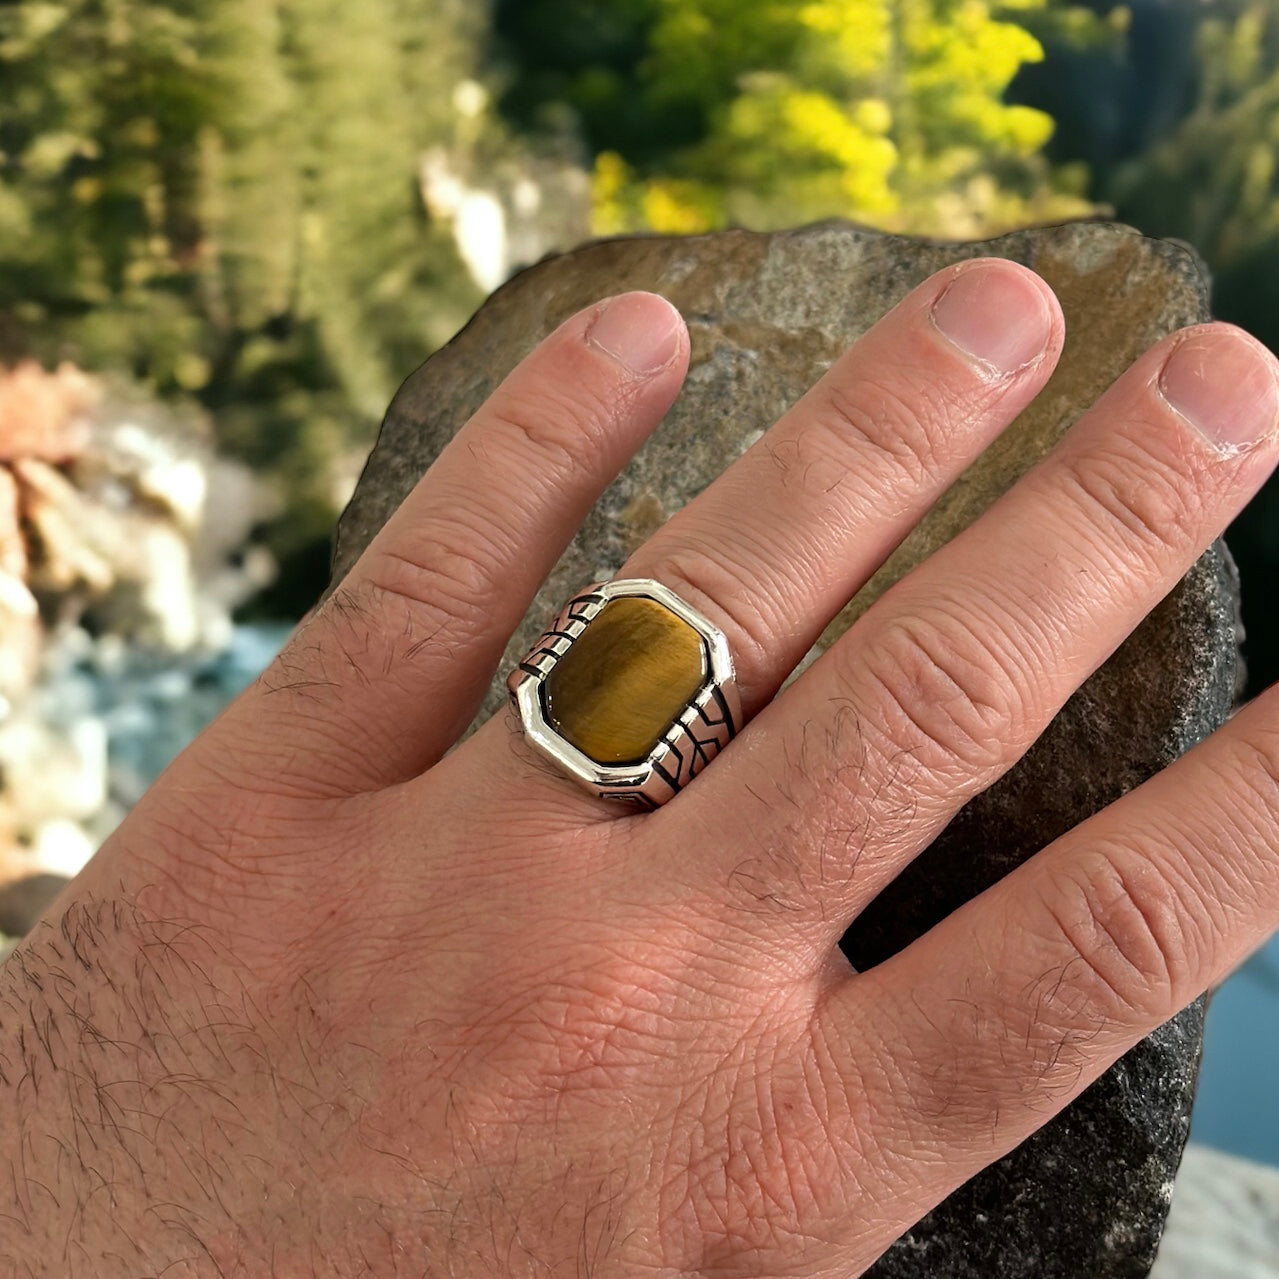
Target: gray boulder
<point>1087,1196</point>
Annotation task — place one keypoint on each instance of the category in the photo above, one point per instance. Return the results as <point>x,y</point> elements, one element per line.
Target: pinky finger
<point>973,1037</point>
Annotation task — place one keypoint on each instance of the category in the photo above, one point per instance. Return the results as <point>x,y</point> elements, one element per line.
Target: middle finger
<point>777,545</point>
<point>781,541</point>
<point>949,677</point>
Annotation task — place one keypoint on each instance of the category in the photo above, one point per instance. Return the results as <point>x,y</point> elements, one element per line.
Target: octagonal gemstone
<point>627,677</point>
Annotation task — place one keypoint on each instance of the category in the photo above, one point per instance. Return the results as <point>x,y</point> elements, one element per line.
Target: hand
<point>339,1000</point>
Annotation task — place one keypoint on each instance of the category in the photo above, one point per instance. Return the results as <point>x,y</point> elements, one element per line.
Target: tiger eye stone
<point>632,671</point>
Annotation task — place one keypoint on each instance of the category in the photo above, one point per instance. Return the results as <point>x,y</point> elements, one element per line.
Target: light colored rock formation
<point>1224,1222</point>
<point>505,211</point>
<point>45,415</point>
<point>110,572</point>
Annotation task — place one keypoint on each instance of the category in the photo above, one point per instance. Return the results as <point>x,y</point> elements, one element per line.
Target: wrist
<point>116,1078</point>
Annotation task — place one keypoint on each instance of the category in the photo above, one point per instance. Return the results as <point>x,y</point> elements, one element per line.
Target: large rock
<point>1088,1195</point>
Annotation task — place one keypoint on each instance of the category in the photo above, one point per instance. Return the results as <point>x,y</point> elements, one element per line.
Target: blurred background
<point>230,228</point>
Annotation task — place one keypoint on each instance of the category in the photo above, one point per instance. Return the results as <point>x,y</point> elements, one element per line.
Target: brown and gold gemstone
<point>627,677</point>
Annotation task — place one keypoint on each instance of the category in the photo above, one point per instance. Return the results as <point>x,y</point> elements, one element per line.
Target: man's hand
<point>338,1000</point>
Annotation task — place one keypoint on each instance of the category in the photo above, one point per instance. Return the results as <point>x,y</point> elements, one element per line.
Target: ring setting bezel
<point>709,721</point>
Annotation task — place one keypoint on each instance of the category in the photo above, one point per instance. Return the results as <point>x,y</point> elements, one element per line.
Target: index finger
<point>382,679</point>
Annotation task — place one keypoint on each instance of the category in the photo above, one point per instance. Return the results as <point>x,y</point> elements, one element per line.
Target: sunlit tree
<point>221,199</point>
<point>703,113</point>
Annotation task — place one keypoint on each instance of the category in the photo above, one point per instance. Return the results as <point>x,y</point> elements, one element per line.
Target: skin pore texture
<point>338,999</point>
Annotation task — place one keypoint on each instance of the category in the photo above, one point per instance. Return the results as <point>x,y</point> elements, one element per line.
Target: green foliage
<point>1213,180</point>
<point>220,198</point>
<point>702,113</point>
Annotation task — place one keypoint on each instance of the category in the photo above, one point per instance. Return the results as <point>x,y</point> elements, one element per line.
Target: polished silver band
<point>706,725</point>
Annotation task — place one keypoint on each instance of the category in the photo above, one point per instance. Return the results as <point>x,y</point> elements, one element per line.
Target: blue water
<point>152,711</point>
<point>1238,1105</point>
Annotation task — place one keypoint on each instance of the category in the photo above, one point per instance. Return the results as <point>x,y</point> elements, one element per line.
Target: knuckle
<point>1130,953</point>
<point>1116,957</point>
<point>565,428</point>
<point>1115,950</point>
<point>903,429</point>
<point>944,695</point>
<point>446,579</point>
<point>1149,503</point>
<point>1256,765</point>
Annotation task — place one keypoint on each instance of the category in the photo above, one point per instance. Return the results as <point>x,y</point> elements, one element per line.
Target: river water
<point>1238,1105</point>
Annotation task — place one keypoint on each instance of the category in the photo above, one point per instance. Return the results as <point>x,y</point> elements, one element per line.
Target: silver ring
<point>631,691</point>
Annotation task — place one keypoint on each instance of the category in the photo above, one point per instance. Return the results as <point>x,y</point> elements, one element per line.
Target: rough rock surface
<point>1087,1195</point>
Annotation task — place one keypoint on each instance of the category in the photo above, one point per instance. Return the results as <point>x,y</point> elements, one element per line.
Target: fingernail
<point>996,315</point>
<point>641,331</point>
<point>1223,384</point>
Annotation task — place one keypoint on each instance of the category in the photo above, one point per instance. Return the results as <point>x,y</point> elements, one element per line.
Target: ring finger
<point>779,543</point>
